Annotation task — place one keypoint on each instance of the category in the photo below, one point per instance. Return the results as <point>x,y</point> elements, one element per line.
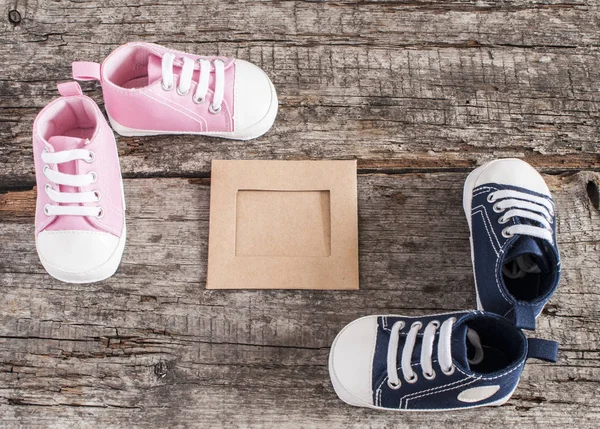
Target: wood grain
<point>418,91</point>
<point>397,86</point>
<point>154,342</point>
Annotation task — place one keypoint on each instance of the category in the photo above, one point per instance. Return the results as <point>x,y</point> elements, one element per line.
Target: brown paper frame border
<point>339,271</point>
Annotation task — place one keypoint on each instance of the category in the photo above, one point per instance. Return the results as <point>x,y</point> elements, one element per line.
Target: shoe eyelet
<point>506,233</point>
<point>44,150</point>
<point>100,214</point>
<point>48,187</point>
<point>198,100</point>
<point>94,176</point>
<point>394,386</point>
<point>98,195</point>
<point>214,110</point>
<point>91,158</point>
<point>413,379</point>
<point>491,198</point>
<point>497,208</point>
<point>429,376</point>
<point>179,92</point>
<point>502,220</point>
<point>46,168</point>
<point>47,209</point>
<point>419,324</point>
<point>165,87</point>
<point>435,323</point>
<point>450,371</point>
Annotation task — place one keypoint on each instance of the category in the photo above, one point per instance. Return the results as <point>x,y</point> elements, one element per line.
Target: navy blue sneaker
<point>513,239</point>
<point>441,362</point>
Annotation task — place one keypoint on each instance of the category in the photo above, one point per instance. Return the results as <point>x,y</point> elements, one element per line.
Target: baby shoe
<point>80,212</point>
<point>432,363</point>
<point>149,89</point>
<point>513,239</point>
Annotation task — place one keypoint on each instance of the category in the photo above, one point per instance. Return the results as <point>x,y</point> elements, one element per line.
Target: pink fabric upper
<point>74,121</point>
<point>134,97</point>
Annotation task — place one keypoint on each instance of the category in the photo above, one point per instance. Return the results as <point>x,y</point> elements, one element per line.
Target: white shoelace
<point>444,353</point>
<point>74,180</point>
<point>185,80</point>
<point>526,206</point>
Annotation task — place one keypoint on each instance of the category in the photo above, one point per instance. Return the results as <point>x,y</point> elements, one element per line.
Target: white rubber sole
<point>467,201</point>
<point>99,273</point>
<point>350,399</point>
<point>343,394</point>
<point>249,133</point>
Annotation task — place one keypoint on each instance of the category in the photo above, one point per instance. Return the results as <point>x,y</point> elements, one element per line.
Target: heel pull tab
<point>545,350</point>
<point>86,70</point>
<point>524,317</point>
<point>69,89</point>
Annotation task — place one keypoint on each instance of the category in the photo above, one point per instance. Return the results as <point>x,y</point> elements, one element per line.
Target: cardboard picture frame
<point>283,225</point>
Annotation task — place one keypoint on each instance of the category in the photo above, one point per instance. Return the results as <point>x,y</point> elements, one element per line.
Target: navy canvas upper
<point>491,250</point>
<point>443,391</point>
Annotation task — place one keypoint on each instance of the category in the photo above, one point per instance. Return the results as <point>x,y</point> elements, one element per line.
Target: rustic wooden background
<point>420,92</point>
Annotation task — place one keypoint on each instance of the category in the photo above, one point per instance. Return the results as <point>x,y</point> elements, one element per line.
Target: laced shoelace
<point>444,352</point>
<point>74,180</point>
<point>526,206</point>
<point>185,79</point>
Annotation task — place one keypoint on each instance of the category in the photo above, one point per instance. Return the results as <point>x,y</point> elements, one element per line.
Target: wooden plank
<point>396,86</point>
<point>152,346</point>
<point>395,23</point>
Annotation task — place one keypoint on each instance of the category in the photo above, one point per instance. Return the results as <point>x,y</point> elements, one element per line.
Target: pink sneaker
<point>149,89</point>
<point>80,213</point>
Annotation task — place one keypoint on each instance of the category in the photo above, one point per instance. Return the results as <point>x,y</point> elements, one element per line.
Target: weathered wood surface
<point>395,84</point>
<point>418,91</point>
<point>152,345</point>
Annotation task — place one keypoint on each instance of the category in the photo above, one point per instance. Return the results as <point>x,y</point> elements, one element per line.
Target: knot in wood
<point>14,17</point>
<point>161,369</point>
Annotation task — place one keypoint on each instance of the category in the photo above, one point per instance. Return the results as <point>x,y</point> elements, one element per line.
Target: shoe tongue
<point>466,346</point>
<point>528,253</point>
<point>154,68</point>
<point>60,143</point>
<point>459,345</point>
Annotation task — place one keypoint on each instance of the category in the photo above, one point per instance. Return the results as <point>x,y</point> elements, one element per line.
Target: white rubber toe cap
<point>79,256</point>
<point>513,172</point>
<point>255,97</point>
<point>351,361</point>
